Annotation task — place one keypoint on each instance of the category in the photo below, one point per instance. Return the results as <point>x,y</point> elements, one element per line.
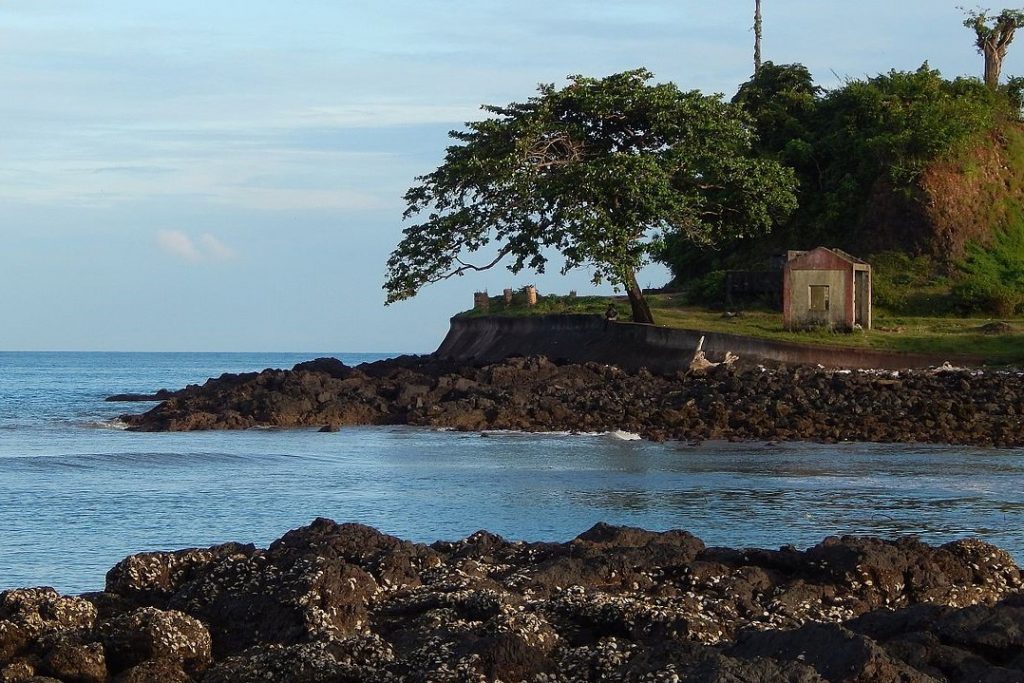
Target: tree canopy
<point>601,171</point>
<point>782,100</point>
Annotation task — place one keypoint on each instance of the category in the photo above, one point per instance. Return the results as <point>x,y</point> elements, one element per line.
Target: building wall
<point>798,313</point>
<point>862,289</point>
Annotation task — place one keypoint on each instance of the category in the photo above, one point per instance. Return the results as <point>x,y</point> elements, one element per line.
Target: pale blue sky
<point>227,175</point>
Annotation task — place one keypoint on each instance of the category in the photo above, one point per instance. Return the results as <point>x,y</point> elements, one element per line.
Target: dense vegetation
<point>922,174</point>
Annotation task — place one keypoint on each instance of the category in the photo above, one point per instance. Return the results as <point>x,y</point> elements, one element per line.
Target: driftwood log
<point>700,362</point>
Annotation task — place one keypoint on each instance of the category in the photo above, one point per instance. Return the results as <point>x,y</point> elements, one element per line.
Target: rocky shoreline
<point>943,405</point>
<point>333,603</point>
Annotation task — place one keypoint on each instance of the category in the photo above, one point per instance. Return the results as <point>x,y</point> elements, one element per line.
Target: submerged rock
<point>160,395</point>
<point>343,602</point>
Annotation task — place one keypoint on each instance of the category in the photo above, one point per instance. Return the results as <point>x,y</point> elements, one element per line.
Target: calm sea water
<point>76,495</point>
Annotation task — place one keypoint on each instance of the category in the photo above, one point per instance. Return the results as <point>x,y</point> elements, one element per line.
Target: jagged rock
<point>151,634</point>
<point>343,602</point>
<point>323,662</point>
<point>948,405</point>
<point>839,655</point>
<point>73,656</point>
<point>150,579</point>
<point>154,671</point>
<point>313,582</point>
<point>28,613</point>
<point>328,366</point>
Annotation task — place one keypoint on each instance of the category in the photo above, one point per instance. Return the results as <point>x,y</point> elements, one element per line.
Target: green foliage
<point>893,125</point>
<point>903,284</point>
<point>993,275</point>
<point>1014,90</point>
<point>868,138</point>
<point>708,290</point>
<point>782,99</point>
<point>600,171</point>
<point>979,294</point>
<point>548,303</point>
<point>988,28</point>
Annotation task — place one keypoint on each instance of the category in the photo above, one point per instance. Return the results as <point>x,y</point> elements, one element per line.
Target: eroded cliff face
<point>333,603</point>
<point>956,201</point>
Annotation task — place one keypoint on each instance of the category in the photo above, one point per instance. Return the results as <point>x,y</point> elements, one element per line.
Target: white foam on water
<point>116,424</point>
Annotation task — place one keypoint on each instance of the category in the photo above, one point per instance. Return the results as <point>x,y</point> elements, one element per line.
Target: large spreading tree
<point>600,171</point>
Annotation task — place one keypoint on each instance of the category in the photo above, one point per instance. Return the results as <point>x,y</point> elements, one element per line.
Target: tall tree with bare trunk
<point>993,35</point>
<point>757,35</point>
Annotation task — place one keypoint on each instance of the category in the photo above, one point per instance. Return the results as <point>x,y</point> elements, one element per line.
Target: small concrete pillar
<point>508,296</point>
<point>531,295</point>
<point>481,302</point>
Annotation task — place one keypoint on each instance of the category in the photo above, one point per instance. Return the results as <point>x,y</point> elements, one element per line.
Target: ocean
<point>77,494</point>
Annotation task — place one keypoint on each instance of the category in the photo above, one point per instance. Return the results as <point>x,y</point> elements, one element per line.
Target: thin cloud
<point>178,244</point>
<point>206,248</point>
<point>216,249</point>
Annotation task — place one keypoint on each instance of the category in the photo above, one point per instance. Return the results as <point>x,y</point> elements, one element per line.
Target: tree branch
<point>467,267</point>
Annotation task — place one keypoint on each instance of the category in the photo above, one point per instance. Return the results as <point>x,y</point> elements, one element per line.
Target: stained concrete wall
<point>583,338</point>
<point>800,298</point>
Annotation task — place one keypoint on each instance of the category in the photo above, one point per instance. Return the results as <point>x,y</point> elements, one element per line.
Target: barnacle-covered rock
<point>151,634</point>
<point>332,603</point>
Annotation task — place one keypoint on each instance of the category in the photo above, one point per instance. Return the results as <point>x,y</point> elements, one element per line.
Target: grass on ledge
<point>961,336</point>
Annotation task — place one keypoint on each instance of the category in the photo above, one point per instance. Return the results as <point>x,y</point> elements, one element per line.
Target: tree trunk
<point>757,36</point>
<point>993,66</point>
<point>994,43</point>
<point>637,302</point>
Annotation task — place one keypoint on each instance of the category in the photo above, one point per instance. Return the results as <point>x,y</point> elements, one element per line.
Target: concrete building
<point>826,288</point>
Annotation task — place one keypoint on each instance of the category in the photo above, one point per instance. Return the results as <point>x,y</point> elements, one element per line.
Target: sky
<point>227,175</point>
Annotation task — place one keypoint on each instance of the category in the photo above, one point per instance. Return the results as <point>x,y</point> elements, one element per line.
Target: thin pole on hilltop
<point>757,35</point>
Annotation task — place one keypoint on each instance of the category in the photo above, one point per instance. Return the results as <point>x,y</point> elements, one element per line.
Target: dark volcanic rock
<point>160,395</point>
<point>151,579</point>
<point>836,653</point>
<point>149,634</point>
<point>30,613</point>
<point>74,656</point>
<point>331,367</point>
<point>343,602</point>
<point>535,394</point>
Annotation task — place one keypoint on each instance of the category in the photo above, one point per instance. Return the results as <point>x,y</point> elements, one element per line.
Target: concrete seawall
<point>582,338</point>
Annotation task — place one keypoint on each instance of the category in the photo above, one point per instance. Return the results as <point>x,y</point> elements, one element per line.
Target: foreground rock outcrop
<point>536,394</point>
<point>342,602</point>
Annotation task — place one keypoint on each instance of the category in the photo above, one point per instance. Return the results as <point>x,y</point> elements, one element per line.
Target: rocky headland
<point>333,603</point>
<point>536,394</point>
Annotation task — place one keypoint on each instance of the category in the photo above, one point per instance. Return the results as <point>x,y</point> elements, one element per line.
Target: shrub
<point>909,285</point>
<point>977,295</point>
<point>992,278</point>
<point>708,290</point>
